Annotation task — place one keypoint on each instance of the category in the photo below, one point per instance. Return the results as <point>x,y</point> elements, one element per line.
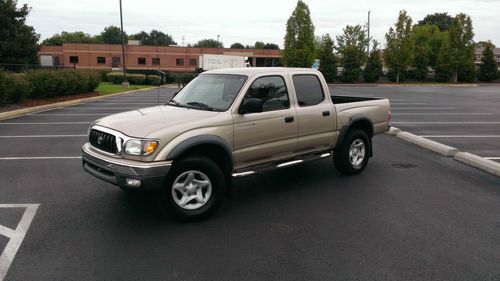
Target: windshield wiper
<point>201,105</point>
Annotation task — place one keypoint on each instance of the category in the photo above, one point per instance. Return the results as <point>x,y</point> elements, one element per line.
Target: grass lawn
<point>106,88</point>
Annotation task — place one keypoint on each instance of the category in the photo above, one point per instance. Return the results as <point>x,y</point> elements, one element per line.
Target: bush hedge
<point>45,84</point>
<point>134,79</point>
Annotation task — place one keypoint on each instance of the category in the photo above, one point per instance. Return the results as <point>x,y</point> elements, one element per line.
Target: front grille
<point>103,141</point>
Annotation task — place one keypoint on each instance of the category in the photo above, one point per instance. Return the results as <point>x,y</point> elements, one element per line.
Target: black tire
<point>341,156</point>
<point>204,166</point>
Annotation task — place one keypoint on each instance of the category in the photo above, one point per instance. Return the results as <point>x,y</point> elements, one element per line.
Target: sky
<point>248,21</point>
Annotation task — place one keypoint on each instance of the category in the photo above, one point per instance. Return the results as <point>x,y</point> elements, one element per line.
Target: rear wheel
<point>193,188</point>
<point>353,154</point>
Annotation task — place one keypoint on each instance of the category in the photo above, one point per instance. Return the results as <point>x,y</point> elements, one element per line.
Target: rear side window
<point>308,89</point>
<point>271,90</point>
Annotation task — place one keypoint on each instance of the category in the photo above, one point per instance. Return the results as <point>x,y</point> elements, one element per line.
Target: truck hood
<point>143,122</point>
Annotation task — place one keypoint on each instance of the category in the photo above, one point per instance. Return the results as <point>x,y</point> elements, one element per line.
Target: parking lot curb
<point>18,112</point>
<point>393,131</point>
<point>428,144</point>
<point>475,161</point>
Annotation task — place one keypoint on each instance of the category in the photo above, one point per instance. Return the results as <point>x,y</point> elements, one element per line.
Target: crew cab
<point>232,123</point>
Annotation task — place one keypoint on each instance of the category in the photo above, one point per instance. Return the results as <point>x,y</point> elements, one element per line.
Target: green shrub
<point>13,87</point>
<point>153,80</point>
<point>136,79</point>
<point>392,76</point>
<point>50,83</point>
<point>182,77</point>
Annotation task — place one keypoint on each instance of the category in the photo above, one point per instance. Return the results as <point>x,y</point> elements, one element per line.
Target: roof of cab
<point>250,71</point>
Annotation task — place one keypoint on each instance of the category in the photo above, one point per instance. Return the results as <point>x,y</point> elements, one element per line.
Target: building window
<point>101,60</point>
<point>179,61</point>
<point>141,60</point>
<point>193,62</point>
<point>73,59</point>
<point>155,61</point>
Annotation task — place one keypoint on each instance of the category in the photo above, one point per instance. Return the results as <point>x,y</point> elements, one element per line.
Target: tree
<point>427,39</point>
<point>488,68</point>
<point>112,35</point>
<point>420,62</point>
<point>237,46</point>
<point>208,43</point>
<point>353,35</point>
<point>328,61</point>
<point>443,70</point>
<point>299,38</point>
<point>70,37</point>
<point>398,54</point>
<point>18,41</point>
<point>462,48</point>
<point>271,46</point>
<point>351,64</point>
<point>483,44</point>
<point>154,38</point>
<point>259,45</point>
<point>442,20</point>
<point>373,68</point>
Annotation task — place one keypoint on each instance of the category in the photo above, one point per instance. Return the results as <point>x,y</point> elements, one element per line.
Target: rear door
<point>271,133</point>
<point>316,115</point>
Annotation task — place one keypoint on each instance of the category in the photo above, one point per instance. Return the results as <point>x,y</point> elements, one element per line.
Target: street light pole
<point>368,47</point>
<point>123,46</point>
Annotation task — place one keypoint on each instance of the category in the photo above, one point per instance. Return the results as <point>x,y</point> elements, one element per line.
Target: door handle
<point>289,119</point>
<point>326,113</point>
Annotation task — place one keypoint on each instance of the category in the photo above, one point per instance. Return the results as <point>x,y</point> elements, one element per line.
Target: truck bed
<point>346,99</point>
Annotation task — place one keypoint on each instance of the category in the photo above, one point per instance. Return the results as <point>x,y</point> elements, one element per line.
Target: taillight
<point>389,116</point>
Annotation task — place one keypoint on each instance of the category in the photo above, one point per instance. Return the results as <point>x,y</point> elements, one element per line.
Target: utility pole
<point>125,82</point>
<point>368,47</point>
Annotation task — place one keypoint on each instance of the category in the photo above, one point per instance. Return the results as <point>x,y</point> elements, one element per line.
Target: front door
<point>271,132</point>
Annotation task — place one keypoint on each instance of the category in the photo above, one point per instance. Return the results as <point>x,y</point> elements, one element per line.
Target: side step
<point>276,165</point>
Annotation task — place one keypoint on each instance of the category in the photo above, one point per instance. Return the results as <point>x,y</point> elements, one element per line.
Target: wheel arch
<point>360,123</point>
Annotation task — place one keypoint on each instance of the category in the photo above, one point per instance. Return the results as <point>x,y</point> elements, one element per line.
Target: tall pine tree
<point>488,70</point>
<point>299,39</point>
<point>328,61</point>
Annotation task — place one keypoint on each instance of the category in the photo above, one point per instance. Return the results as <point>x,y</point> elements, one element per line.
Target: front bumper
<point>119,171</point>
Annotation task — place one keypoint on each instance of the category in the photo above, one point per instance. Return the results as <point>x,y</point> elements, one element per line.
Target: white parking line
<point>492,158</point>
<point>443,113</point>
<point>39,114</point>
<point>460,136</point>
<point>43,123</point>
<point>437,108</point>
<point>445,122</point>
<point>41,158</point>
<point>43,136</point>
<point>16,236</point>
<point>408,103</point>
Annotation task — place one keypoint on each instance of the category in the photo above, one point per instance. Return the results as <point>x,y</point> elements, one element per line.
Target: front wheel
<point>352,156</point>
<point>193,188</point>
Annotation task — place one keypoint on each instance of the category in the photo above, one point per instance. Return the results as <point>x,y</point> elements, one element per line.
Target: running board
<point>276,165</point>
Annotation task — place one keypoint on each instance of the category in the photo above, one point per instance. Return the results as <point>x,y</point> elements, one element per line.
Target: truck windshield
<point>210,92</point>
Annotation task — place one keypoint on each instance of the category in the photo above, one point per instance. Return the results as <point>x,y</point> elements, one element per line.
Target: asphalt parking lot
<point>465,117</point>
<point>411,215</point>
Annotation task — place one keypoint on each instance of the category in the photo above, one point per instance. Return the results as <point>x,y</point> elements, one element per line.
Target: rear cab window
<point>308,89</point>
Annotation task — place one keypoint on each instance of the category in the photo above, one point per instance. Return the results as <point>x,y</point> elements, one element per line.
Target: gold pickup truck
<point>232,123</point>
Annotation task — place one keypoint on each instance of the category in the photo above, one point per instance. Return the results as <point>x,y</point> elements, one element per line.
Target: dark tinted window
<point>141,60</point>
<point>101,60</point>
<point>179,61</point>
<point>193,62</point>
<point>155,61</point>
<point>73,59</point>
<point>308,90</point>
<point>271,90</point>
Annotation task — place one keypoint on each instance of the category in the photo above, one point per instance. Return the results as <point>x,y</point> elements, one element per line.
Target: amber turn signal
<point>150,147</point>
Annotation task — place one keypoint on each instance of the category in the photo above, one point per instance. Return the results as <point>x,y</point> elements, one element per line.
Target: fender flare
<point>200,140</point>
<point>352,123</point>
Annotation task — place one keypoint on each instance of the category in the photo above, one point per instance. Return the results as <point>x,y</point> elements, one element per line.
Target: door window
<point>308,89</point>
<point>271,90</point>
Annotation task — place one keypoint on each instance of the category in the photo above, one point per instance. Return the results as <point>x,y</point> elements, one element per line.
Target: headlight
<point>140,147</point>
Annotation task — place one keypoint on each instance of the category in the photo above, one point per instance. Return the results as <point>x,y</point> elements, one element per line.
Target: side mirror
<point>251,105</point>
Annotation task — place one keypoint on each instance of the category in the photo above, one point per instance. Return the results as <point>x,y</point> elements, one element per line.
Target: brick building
<point>169,58</point>
<point>479,54</point>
